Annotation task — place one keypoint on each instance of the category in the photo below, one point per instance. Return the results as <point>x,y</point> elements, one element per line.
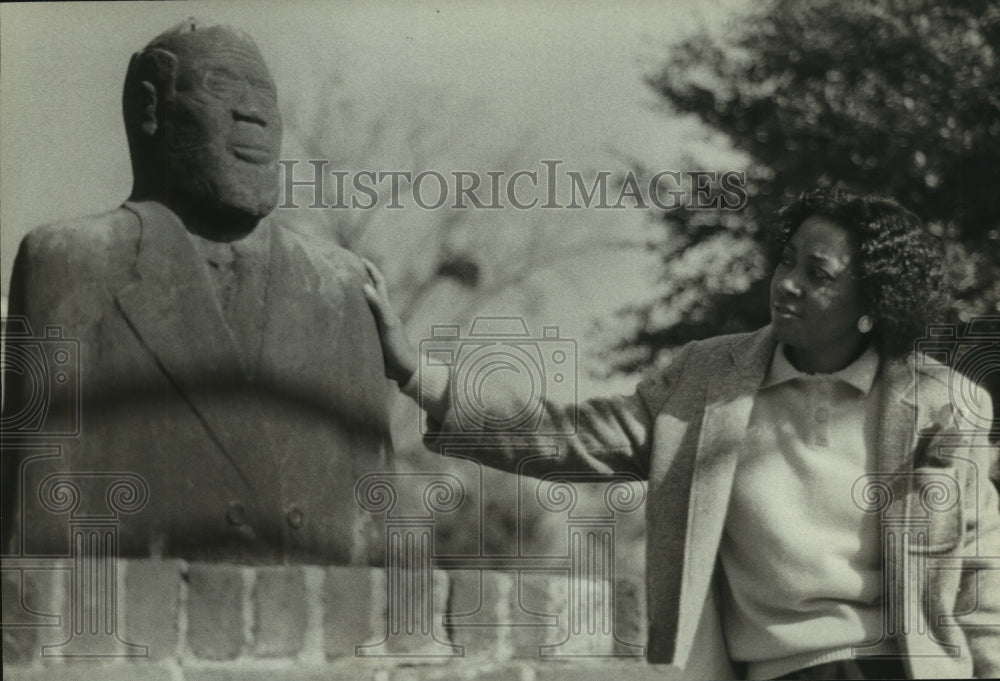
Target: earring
<point>865,324</point>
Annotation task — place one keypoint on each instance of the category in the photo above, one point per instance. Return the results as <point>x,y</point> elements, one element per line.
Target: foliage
<point>891,96</point>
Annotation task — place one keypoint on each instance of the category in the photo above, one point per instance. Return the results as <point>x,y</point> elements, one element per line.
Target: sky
<point>485,84</point>
<point>568,74</point>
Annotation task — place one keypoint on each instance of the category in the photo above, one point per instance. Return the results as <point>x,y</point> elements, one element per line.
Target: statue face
<point>223,128</point>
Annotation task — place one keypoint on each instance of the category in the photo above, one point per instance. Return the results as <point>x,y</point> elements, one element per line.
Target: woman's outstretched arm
<point>603,436</point>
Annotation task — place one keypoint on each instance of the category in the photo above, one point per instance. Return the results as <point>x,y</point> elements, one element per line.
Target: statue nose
<point>250,107</point>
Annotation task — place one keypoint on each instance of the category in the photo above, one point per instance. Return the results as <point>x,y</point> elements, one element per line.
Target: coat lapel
<point>298,305</point>
<point>897,436</point>
<point>730,396</point>
<point>899,418</point>
<point>173,310</point>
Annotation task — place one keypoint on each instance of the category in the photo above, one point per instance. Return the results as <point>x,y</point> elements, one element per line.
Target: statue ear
<point>147,95</point>
<point>149,84</point>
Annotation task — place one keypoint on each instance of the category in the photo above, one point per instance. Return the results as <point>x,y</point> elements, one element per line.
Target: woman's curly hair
<point>900,264</point>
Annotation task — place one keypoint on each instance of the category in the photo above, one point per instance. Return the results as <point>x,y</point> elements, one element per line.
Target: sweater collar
<point>860,374</point>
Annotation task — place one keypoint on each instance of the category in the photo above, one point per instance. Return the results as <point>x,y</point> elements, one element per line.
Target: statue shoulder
<point>81,242</point>
<point>326,255</point>
<point>66,270</point>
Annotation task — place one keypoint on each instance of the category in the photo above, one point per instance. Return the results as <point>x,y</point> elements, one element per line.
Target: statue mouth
<point>253,154</point>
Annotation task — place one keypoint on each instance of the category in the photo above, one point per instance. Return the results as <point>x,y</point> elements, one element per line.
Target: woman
<point>788,485</point>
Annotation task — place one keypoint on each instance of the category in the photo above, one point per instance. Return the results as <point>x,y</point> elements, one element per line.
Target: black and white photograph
<point>434,340</point>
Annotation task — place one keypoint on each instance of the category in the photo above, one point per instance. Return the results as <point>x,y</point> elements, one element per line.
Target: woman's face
<point>816,298</point>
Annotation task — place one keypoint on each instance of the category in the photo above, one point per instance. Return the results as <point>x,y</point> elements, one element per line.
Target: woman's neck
<point>826,360</point>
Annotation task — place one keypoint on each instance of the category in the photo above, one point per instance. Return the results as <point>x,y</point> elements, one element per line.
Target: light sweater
<point>801,559</point>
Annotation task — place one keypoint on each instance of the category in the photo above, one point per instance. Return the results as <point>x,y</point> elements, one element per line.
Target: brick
<point>419,638</point>
<point>356,613</point>
<point>88,671</point>
<point>215,611</point>
<point>152,601</point>
<point>349,601</point>
<point>514,612</point>
<point>476,614</point>
<point>443,671</point>
<point>602,671</point>
<point>542,594</point>
<point>92,609</point>
<point>240,672</point>
<point>33,597</point>
<point>503,673</point>
<point>630,617</point>
<point>280,611</point>
<point>478,669</point>
<point>576,638</point>
<point>20,646</point>
<point>20,642</point>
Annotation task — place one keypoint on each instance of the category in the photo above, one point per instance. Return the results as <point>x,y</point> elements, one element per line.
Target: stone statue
<point>230,363</point>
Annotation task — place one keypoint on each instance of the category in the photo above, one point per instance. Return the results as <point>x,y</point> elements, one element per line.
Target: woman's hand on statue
<point>400,357</point>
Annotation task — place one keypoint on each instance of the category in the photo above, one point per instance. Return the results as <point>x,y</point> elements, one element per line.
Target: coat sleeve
<point>978,603</point>
<point>24,320</point>
<point>13,401</point>
<point>52,304</point>
<point>604,435</point>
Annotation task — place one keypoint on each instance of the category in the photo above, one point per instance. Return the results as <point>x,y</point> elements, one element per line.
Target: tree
<point>447,267</point>
<point>900,97</point>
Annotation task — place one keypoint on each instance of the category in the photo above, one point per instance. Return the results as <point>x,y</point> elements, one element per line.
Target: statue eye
<point>264,87</point>
<point>221,82</point>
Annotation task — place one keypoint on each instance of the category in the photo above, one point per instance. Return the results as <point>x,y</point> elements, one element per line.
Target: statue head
<point>204,129</point>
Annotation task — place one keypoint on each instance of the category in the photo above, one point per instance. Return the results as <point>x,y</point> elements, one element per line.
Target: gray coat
<point>680,431</point>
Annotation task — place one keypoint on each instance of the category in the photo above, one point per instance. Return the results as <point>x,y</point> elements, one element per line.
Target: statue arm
<point>14,392</point>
